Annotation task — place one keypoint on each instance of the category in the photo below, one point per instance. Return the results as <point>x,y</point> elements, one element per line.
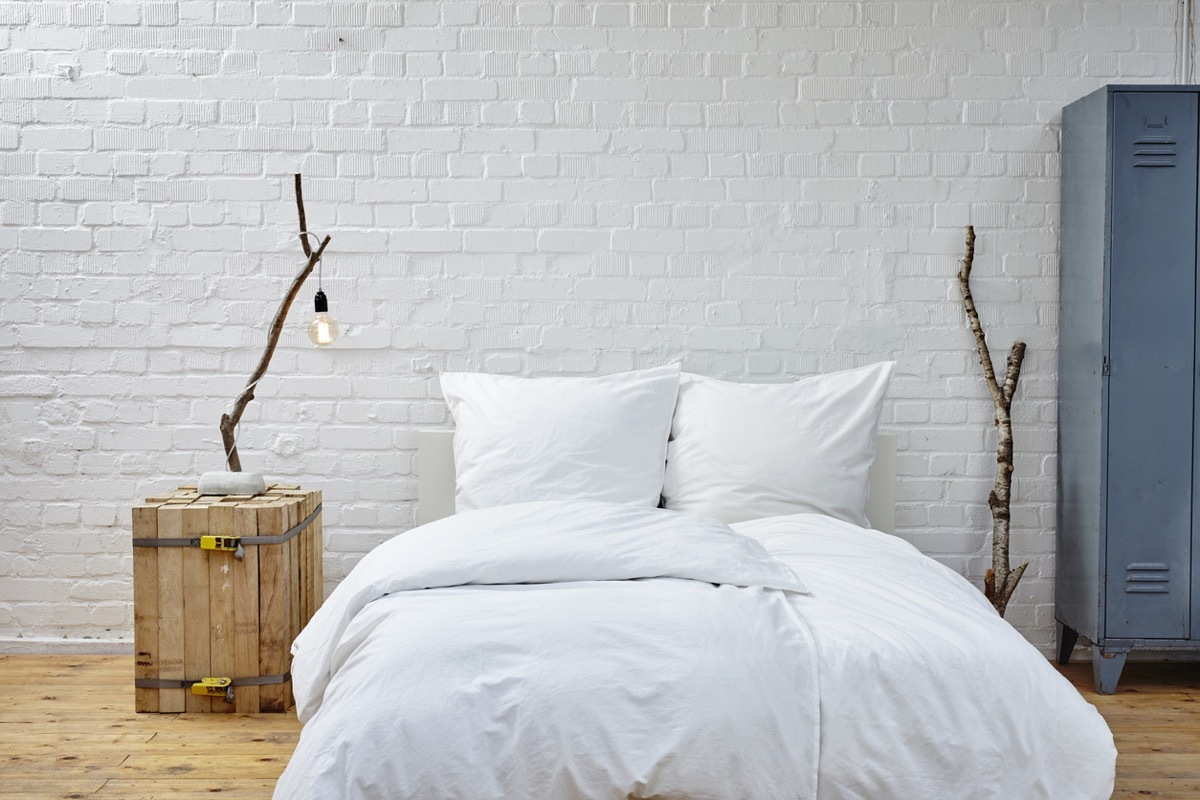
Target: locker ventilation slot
<point>1147,578</point>
<point>1154,151</point>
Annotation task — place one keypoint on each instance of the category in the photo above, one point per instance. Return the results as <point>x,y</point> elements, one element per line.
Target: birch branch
<point>964,284</point>
<point>1015,358</point>
<point>1001,580</point>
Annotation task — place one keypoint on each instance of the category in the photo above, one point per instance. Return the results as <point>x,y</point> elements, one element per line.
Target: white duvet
<point>557,651</point>
<point>581,650</point>
<point>925,691</point>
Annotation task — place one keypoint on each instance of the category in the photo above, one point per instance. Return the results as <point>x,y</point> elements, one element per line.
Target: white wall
<point>760,190</point>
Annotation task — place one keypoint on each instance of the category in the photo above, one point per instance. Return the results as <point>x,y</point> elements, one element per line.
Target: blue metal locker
<point>1127,544</point>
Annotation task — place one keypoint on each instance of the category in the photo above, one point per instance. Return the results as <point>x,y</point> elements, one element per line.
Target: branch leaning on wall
<point>229,422</point>
<point>1000,581</point>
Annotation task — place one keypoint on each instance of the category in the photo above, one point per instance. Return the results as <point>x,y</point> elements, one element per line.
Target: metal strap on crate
<point>236,541</point>
<point>179,683</point>
<point>211,687</point>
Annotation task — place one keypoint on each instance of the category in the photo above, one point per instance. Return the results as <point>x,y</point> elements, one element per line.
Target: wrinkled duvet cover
<point>926,692</point>
<point>583,650</point>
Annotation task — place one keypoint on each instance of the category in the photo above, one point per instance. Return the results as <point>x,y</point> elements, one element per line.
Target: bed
<point>584,647</point>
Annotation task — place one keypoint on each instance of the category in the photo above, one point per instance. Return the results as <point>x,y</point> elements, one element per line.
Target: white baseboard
<point>48,646</point>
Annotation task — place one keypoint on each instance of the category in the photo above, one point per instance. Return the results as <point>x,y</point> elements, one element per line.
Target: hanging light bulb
<point>323,329</point>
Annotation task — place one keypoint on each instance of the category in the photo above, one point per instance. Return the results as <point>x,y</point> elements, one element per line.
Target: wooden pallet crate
<point>201,613</point>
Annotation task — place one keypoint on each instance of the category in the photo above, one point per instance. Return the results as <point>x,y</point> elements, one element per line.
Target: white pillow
<point>748,451</point>
<point>523,439</point>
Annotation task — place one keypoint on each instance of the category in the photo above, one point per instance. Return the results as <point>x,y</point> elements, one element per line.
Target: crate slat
<point>295,517</point>
<point>170,608</point>
<point>318,540</point>
<point>306,546</point>
<point>222,601</point>
<point>272,608</point>
<point>245,523</point>
<point>145,605</point>
<point>197,630</point>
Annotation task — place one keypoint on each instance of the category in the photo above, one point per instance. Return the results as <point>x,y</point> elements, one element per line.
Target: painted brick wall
<point>761,190</point>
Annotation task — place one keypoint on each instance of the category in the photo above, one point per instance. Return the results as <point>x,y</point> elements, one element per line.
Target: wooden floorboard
<point>1155,720</point>
<point>68,730</point>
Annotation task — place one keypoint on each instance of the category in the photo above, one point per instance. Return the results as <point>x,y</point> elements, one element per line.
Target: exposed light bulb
<point>323,329</point>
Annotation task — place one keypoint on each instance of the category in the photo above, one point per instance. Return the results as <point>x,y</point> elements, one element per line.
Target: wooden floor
<point>1155,720</point>
<point>68,730</point>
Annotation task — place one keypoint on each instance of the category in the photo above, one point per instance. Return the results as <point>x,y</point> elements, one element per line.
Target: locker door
<point>1151,351</point>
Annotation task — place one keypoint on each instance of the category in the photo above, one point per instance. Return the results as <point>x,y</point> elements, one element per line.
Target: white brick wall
<point>758,189</point>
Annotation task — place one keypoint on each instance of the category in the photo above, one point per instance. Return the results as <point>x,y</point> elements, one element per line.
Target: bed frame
<point>435,486</point>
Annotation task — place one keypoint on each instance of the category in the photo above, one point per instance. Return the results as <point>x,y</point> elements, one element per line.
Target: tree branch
<point>964,284</point>
<point>303,225</point>
<point>1000,581</point>
<point>229,422</point>
<point>1015,357</point>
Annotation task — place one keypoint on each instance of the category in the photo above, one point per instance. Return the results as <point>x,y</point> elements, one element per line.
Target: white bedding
<point>580,650</point>
<point>925,691</point>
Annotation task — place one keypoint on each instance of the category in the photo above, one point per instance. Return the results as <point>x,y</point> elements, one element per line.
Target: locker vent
<point>1154,151</point>
<point>1147,578</point>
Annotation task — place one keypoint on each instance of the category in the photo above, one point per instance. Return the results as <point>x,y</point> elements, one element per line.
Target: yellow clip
<point>220,542</point>
<point>212,687</point>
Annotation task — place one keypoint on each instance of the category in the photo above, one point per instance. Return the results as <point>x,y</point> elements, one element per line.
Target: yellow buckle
<point>212,687</point>
<point>220,542</point>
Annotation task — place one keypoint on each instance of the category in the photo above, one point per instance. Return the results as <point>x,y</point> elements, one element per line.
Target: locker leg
<point>1106,668</point>
<point>1067,637</point>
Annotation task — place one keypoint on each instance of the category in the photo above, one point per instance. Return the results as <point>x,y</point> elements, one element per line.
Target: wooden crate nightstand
<point>205,608</point>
